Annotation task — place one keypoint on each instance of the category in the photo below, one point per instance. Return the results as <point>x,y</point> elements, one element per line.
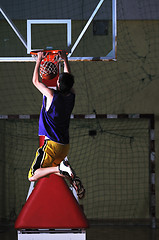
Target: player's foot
<point>78,186</point>
<point>66,169</point>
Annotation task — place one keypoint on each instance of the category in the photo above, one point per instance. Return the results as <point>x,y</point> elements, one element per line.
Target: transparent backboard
<point>87,29</point>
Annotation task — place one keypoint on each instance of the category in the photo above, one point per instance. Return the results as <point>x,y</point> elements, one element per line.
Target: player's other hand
<point>62,54</point>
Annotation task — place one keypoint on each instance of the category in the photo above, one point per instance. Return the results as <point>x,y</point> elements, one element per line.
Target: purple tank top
<point>54,123</point>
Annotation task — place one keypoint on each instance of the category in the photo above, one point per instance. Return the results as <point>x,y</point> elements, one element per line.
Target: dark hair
<point>66,81</point>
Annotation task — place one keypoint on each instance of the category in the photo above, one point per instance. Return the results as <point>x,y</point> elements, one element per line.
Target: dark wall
<point>127,9</point>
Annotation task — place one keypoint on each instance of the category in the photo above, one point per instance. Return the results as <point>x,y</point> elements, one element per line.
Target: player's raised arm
<point>39,85</point>
<point>63,55</point>
<point>67,68</point>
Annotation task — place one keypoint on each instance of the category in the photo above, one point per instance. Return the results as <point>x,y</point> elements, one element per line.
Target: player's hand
<point>62,54</point>
<point>41,55</point>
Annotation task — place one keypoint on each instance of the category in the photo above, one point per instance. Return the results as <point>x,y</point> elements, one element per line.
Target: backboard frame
<point>111,56</point>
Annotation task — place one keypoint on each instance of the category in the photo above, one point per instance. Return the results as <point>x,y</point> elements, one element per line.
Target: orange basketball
<point>48,70</point>
<point>49,76</point>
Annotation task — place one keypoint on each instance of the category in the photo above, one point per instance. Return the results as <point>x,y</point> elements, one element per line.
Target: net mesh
<point>48,68</point>
<point>114,165</point>
<point>111,156</point>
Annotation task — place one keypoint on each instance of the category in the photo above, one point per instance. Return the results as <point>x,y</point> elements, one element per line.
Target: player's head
<point>65,82</point>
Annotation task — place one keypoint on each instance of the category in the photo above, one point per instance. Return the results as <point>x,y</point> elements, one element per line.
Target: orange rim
<point>42,50</point>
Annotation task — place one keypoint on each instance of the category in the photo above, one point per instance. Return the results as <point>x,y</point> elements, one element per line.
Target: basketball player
<point>54,125</point>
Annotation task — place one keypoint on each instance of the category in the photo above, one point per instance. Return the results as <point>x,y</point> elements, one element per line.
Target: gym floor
<point>103,233</point>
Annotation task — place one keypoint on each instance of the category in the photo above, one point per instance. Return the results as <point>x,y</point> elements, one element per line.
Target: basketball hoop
<point>49,66</point>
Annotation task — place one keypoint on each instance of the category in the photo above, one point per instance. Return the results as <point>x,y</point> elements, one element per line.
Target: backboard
<point>87,31</point>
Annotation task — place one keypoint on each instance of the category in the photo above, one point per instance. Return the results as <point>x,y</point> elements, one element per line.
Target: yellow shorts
<point>49,155</point>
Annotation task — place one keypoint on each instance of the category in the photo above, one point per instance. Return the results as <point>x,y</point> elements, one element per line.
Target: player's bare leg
<point>42,172</point>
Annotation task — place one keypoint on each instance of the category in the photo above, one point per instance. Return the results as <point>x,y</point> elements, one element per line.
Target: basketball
<point>48,70</point>
<point>49,76</point>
